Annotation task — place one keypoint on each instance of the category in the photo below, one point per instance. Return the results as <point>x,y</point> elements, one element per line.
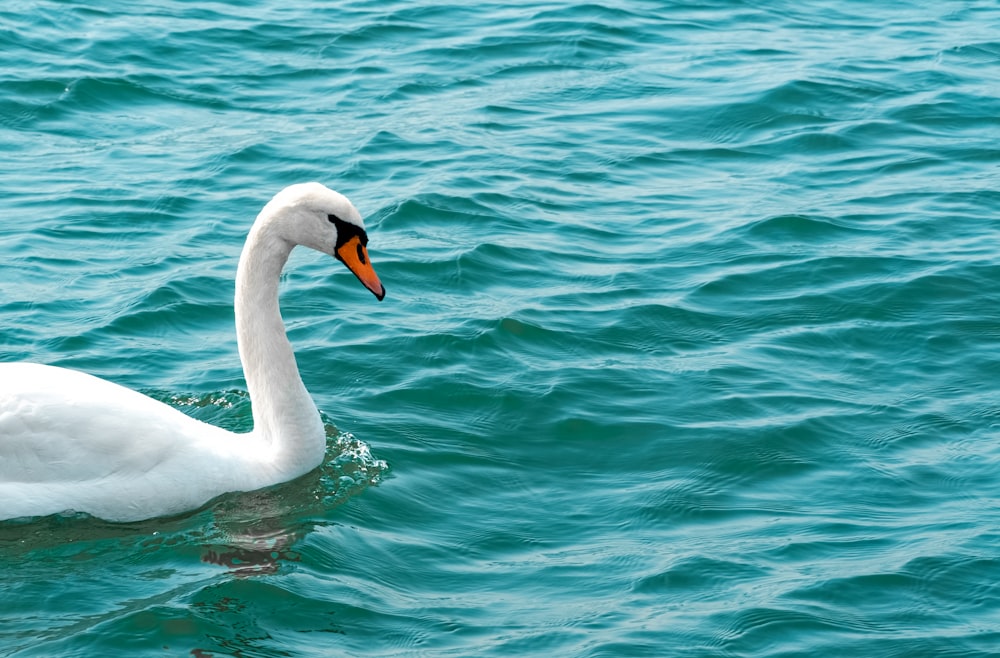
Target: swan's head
<point>313,215</point>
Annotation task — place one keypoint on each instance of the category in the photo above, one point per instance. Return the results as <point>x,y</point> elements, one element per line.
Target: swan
<point>70,441</point>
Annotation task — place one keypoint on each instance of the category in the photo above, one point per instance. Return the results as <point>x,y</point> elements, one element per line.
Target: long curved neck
<point>285,417</point>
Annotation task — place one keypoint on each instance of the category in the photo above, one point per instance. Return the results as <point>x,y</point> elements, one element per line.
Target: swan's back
<point>69,440</point>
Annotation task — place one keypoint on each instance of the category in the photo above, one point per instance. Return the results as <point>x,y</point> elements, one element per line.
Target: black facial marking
<point>346,231</point>
<point>361,253</point>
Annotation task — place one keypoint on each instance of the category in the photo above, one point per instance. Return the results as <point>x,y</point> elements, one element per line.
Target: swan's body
<point>71,441</point>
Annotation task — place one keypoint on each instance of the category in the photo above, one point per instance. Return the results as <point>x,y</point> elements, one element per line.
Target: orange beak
<point>354,255</point>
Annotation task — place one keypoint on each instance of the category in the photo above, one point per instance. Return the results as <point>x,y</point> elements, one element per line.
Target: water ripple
<point>688,346</point>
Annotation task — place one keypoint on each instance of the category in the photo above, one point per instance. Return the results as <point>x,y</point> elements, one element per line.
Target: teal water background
<point>691,344</point>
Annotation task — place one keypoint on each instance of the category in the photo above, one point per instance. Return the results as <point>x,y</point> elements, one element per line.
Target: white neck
<point>284,415</point>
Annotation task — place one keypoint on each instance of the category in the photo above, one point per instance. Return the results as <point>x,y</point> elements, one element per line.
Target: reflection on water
<point>257,530</point>
<point>250,554</point>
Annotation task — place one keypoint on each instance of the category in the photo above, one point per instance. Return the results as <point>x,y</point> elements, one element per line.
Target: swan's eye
<point>333,219</point>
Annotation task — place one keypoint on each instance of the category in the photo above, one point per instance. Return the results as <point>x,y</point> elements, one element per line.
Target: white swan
<point>71,441</point>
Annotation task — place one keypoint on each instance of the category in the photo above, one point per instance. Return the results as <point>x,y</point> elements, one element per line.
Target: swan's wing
<point>59,425</point>
<point>72,441</point>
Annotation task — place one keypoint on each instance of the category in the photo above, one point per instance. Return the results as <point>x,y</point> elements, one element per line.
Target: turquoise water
<point>691,342</point>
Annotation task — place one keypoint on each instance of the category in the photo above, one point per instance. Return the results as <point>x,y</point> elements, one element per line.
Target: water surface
<point>689,349</point>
